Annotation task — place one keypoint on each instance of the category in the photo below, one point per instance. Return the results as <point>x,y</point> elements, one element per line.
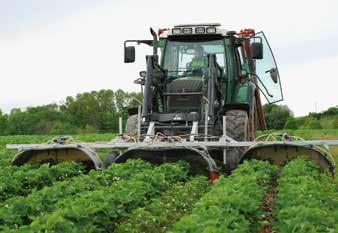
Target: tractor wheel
<point>131,125</point>
<point>238,128</point>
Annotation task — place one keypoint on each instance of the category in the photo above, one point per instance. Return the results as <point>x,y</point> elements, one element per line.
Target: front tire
<point>238,128</point>
<point>131,125</point>
<point>237,125</point>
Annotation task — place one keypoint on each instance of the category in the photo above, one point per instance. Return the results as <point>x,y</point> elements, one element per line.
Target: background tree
<point>98,111</point>
<point>276,115</point>
<point>3,122</point>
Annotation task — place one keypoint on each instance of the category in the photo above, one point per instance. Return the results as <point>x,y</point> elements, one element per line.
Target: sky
<point>51,49</point>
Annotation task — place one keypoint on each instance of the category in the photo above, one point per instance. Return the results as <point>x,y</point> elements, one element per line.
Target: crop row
<point>100,210</point>
<point>233,204</point>
<point>307,200</point>
<point>164,211</point>
<point>24,180</point>
<point>18,211</point>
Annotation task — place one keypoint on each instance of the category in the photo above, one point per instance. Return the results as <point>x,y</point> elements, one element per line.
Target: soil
<point>269,201</point>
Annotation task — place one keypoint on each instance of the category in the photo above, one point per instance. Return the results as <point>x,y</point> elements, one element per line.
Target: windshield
<point>182,57</point>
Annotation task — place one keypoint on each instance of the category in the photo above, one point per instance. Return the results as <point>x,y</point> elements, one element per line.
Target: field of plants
<point>140,197</point>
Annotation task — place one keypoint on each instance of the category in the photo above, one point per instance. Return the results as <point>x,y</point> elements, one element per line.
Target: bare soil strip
<point>269,201</point>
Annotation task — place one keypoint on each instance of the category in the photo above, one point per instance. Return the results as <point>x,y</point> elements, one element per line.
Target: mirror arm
<point>153,33</point>
<point>259,88</point>
<point>160,68</point>
<point>266,89</point>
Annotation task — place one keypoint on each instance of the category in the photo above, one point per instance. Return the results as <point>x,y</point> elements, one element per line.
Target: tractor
<point>203,88</point>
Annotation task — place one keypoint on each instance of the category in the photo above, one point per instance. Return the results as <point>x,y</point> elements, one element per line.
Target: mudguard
<point>199,160</point>
<point>55,153</point>
<point>279,153</point>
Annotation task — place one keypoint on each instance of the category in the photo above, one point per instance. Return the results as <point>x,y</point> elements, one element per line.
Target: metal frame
<point>202,148</point>
<point>151,143</point>
<point>208,144</point>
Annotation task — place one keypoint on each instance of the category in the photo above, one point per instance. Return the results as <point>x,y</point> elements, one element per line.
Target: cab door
<point>268,79</point>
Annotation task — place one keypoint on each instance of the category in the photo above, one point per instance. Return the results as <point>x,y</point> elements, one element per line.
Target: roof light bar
<point>199,25</point>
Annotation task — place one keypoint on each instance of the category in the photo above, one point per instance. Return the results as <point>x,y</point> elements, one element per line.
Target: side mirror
<point>143,74</point>
<point>273,74</point>
<point>257,50</point>
<point>129,54</point>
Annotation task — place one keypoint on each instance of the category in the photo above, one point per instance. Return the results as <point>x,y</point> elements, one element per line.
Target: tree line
<point>281,117</point>
<point>98,112</point>
<point>89,112</point>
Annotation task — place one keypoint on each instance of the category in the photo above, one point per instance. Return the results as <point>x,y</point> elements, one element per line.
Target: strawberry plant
<point>233,204</point>
<point>159,215</point>
<point>22,181</point>
<point>307,200</point>
<point>20,210</point>
<point>100,210</point>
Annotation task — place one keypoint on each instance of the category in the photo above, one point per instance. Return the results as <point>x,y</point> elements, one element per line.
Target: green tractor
<point>203,89</point>
<point>204,74</point>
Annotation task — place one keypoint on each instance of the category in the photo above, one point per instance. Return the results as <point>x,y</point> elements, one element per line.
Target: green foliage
<point>276,115</point>
<point>291,123</point>
<point>306,200</point>
<point>165,210</point>
<point>330,112</point>
<point>60,128</point>
<point>311,123</point>
<point>98,211</point>
<point>3,121</point>
<point>233,204</point>
<point>295,122</point>
<point>19,210</point>
<point>281,117</point>
<point>324,120</point>
<point>21,181</point>
<point>89,112</point>
<point>335,123</point>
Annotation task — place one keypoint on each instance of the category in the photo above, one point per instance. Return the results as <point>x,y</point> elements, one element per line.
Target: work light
<point>199,30</point>
<point>176,31</point>
<point>211,30</point>
<point>187,30</point>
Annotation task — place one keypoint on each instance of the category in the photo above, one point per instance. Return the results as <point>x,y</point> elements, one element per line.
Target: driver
<point>199,61</point>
